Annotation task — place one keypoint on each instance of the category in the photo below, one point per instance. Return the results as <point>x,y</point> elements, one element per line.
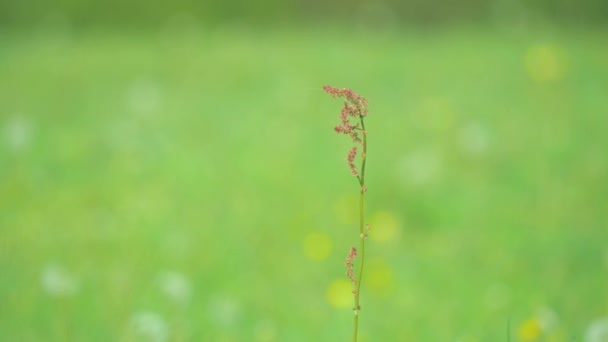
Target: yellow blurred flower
<point>340,293</point>
<point>317,246</point>
<point>384,226</point>
<point>380,277</point>
<point>545,63</point>
<point>529,330</point>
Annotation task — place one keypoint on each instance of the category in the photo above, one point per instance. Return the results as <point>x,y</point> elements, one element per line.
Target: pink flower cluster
<point>355,106</point>
<point>350,272</point>
<point>351,161</point>
<point>354,109</point>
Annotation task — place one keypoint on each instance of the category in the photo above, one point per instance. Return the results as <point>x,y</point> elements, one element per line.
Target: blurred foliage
<point>139,13</point>
<point>187,185</point>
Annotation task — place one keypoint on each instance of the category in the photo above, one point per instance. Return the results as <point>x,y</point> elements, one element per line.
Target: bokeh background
<point>169,172</point>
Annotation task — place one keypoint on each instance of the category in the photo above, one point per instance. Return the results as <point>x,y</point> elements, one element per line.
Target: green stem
<point>362,234</point>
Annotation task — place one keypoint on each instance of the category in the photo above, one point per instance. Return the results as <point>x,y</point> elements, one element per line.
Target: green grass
<point>211,154</point>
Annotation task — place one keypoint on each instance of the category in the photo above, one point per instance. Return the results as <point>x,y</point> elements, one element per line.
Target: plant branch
<point>362,234</point>
<point>355,107</point>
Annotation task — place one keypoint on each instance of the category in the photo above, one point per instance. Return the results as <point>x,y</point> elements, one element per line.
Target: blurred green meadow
<point>186,185</point>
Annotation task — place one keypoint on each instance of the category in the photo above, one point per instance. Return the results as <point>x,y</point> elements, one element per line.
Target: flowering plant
<point>352,124</point>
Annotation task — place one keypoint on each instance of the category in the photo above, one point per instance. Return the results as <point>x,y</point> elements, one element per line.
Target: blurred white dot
<point>475,139</point>
<point>547,318</point>
<point>597,331</point>
<point>57,281</point>
<point>150,326</point>
<point>265,331</point>
<point>18,133</point>
<point>420,167</point>
<point>176,286</point>
<point>145,97</point>
<point>224,310</point>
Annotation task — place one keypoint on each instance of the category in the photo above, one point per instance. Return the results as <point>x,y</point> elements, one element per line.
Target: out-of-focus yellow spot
<point>529,330</point>
<point>347,209</point>
<point>340,294</point>
<point>317,246</point>
<point>545,63</point>
<point>384,226</point>
<point>379,277</point>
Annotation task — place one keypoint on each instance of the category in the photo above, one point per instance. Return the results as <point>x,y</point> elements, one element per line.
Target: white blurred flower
<point>547,318</point>
<point>145,97</point>
<point>597,331</point>
<point>18,133</point>
<point>475,139</point>
<point>57,281</point>
<point>176,286</point>
<point>150,326</point>
<point>224,310</point>
<point>420,167</point>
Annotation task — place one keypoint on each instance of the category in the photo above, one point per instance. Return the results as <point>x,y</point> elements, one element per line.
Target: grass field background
<point>188,186</point>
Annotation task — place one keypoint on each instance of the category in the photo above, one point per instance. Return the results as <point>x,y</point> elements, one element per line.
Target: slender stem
<point>364,155</point>
<point>362,234</point>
